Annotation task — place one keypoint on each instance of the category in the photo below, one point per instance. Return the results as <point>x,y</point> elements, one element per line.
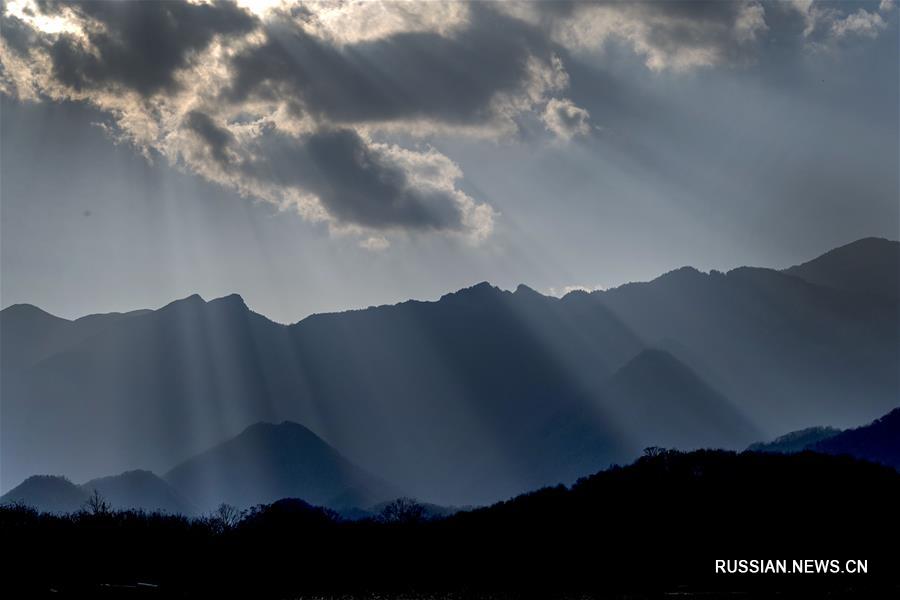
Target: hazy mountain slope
<point>870,266</point>
<point>785,351</point>
<point>47,493</point>
<point>153,389</point>
<point>666,404</point>
<point>879,441</point>
<point>446,398</point>
<point>468,399</point>
<point>29,334</point>
<point>140,490</point>
<point>795,441</point>
<point>267,462</point>
<point>393,387</point>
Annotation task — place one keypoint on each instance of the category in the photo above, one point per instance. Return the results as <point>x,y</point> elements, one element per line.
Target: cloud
<point>356,183</point>
<point>303,104</point>
<point>137,45</point>
<point>565,120</point>
<point>375,243</point>
<point>218,139</point>
<point>354,21</point>
<point>482,76</point>
<point>17,35</point>
<point>862,23</point>
<point>827,23</point>
<point>669,35</point>
<point>284,109</point>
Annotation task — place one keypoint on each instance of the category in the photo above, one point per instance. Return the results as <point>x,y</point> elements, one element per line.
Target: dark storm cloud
<point>17,35</point>
<point>356,183</point>
<point>216,139</point>
<point>140,45</point>
<point>407,75</point>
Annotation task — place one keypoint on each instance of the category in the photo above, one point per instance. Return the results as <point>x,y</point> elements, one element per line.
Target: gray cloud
<point>356,182</point>
<point>410,75</point>
<point>16,33</point>
<point>139,45</point>
<point>669,35</point>
<point>217,139</point>
<point>565,119</point>
<point>296,106</point>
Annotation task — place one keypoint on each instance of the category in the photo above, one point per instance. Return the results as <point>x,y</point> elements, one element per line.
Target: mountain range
<point>130,490</point>
<point>268,463</point>
<point>878,441</point>
<point>264,463</point>
<point>472,398</point>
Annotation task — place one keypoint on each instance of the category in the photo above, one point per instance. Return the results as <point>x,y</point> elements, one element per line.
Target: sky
<point>322,156</point>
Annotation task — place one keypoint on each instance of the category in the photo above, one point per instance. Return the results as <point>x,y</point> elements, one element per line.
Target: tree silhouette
<point>654,451</point>
<point>402,510</point>
<point>224,518</point>
<point>532,546</point>
<point>96,504</point>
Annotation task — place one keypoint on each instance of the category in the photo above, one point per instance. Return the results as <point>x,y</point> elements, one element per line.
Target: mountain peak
<point>283,427</point>
<point>657,355</point>
<point>269,461</point>
<point>524,290</point>
<point>483,286</point>
<point>685,271</point>
<point>868,266</point>
<point>47,493</point>
<point>479,290</point>
<point>28,311</point>
<point>192,300</point>
<point>229,300</point>
<point>682,276</point>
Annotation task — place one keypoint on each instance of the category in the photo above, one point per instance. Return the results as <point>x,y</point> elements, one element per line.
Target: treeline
<point>654,527</point>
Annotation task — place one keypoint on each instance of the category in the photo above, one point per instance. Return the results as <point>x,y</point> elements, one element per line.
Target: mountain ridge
<point>466,399</point>
<point>267,462</point>
<point>793,271</point>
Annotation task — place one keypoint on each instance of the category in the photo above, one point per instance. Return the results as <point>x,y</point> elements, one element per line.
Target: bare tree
<point>654,451</point>
<point>96,504</point>
<point>225,517</point>
<point>403,510</point>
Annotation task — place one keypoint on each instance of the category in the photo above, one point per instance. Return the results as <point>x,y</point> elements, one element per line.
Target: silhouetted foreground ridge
<point>654,526</point>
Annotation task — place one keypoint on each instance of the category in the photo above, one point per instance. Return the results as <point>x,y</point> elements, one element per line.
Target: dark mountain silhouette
<point>267,462</point>
<point>47,493</point>
<point>140,490</point>
<point>877,442</point>
<point>795,441</point>
<point>475,397</point>
<point>425,510</point>
<point>131,490</point>
<point>652,529</point>
<point>870,266</point>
